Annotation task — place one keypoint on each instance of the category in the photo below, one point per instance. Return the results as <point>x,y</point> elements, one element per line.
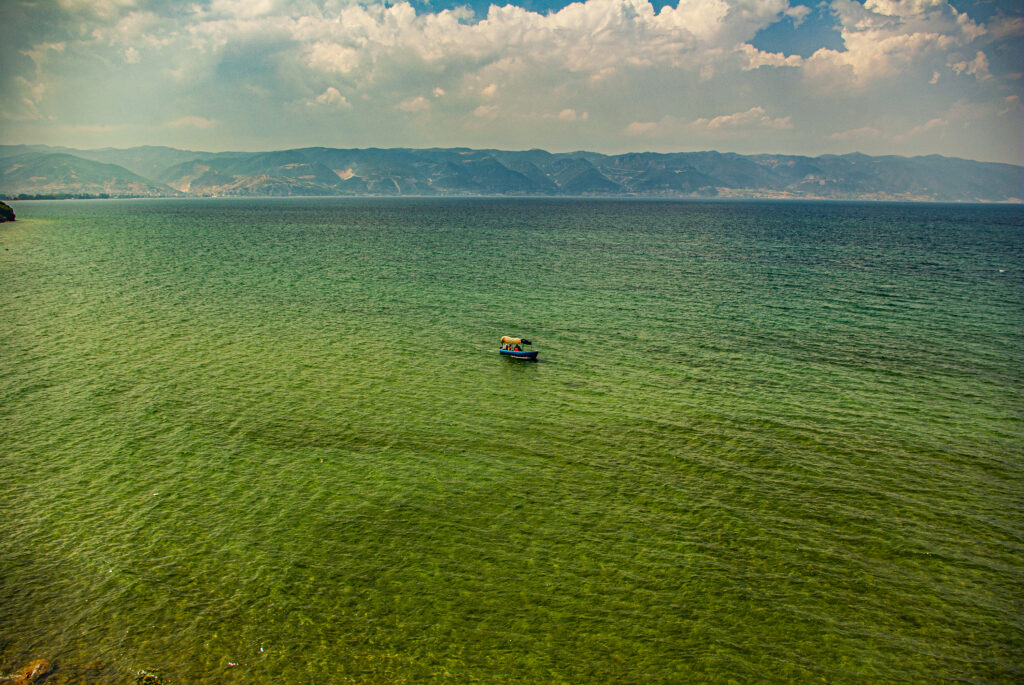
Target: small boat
<point>516,348</point>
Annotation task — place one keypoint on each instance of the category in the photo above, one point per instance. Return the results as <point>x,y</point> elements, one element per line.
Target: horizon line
<point>499,149</point>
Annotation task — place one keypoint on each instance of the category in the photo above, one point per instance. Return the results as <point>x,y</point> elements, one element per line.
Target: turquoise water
<point>272,441</point>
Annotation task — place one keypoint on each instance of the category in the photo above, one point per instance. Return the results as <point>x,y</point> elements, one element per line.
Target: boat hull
<point>522,354</point>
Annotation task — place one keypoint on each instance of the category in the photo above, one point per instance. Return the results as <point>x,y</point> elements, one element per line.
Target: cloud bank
<point>910,76</point>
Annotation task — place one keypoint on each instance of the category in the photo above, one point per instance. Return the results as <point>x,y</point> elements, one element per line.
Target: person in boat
<point>517,348</point>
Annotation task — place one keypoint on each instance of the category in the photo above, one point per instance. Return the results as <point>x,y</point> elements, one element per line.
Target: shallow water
<point>272,441</point>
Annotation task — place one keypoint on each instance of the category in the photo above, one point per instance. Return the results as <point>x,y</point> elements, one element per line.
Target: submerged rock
<point>6,213</point>
<point>35,669</point>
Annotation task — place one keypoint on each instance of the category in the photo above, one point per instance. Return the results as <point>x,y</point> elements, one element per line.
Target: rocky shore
<point>41,671</point>
<point>6,213</point>
<point>32,672</point>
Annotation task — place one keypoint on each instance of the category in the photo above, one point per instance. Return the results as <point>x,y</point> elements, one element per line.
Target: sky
<point>810,77</point>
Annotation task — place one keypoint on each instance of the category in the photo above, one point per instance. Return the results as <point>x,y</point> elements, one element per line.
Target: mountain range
<point>33,171</point>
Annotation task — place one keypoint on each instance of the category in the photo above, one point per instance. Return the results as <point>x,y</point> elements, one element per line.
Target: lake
<point>252,441</point>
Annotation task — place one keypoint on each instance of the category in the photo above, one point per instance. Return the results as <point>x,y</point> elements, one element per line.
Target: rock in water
<point>6,213</point>
<point>31,672</point>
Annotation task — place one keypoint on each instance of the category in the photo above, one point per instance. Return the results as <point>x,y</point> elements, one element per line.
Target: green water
<point>273,441</point>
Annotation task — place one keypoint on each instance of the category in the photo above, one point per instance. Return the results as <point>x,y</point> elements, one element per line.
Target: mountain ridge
<point>28,171</point>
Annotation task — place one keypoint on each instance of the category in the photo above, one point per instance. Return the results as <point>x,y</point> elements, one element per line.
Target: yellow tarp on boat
<point>508,339</point>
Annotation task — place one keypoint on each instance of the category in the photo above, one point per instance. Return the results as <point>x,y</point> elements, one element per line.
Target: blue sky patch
<point>817,30</point>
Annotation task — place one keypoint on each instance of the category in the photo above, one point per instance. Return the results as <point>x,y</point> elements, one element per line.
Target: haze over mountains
<point>41,171</point>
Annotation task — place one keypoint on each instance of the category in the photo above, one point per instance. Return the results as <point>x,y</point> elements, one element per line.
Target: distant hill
<point>161,171</point>
<point>59,174</point>
<point>147,161</point>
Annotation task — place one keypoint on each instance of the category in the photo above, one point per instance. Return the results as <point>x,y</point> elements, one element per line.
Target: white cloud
<point>177,74</point>
<point>33,90</point>
<point>965,112</point>
<point>641,128</point>
<point>333,58</point>
<point>244,9</point>
<point>134,27</point>
<point>26,106</point>
<point>585,37</point>
<point>27,98</point>
<point>1010,105</point>
<point>330,97</point>
<point>883,38</point>
<point>40,52</point>
<point>756,58</point>
<point>101,8</point>
<point>797,13</point>
<point>192,122</point>
<point>684,77</point>
<point>931,124</point>
<point>870,56</point>
<point>962,114</point>
<point>570,115</point>
<point>486,111</point>
<point>1006,27</point>
<point>977,67</point>
<point>753,121</point>
<point>755,117</point>
<point>415,104</point>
